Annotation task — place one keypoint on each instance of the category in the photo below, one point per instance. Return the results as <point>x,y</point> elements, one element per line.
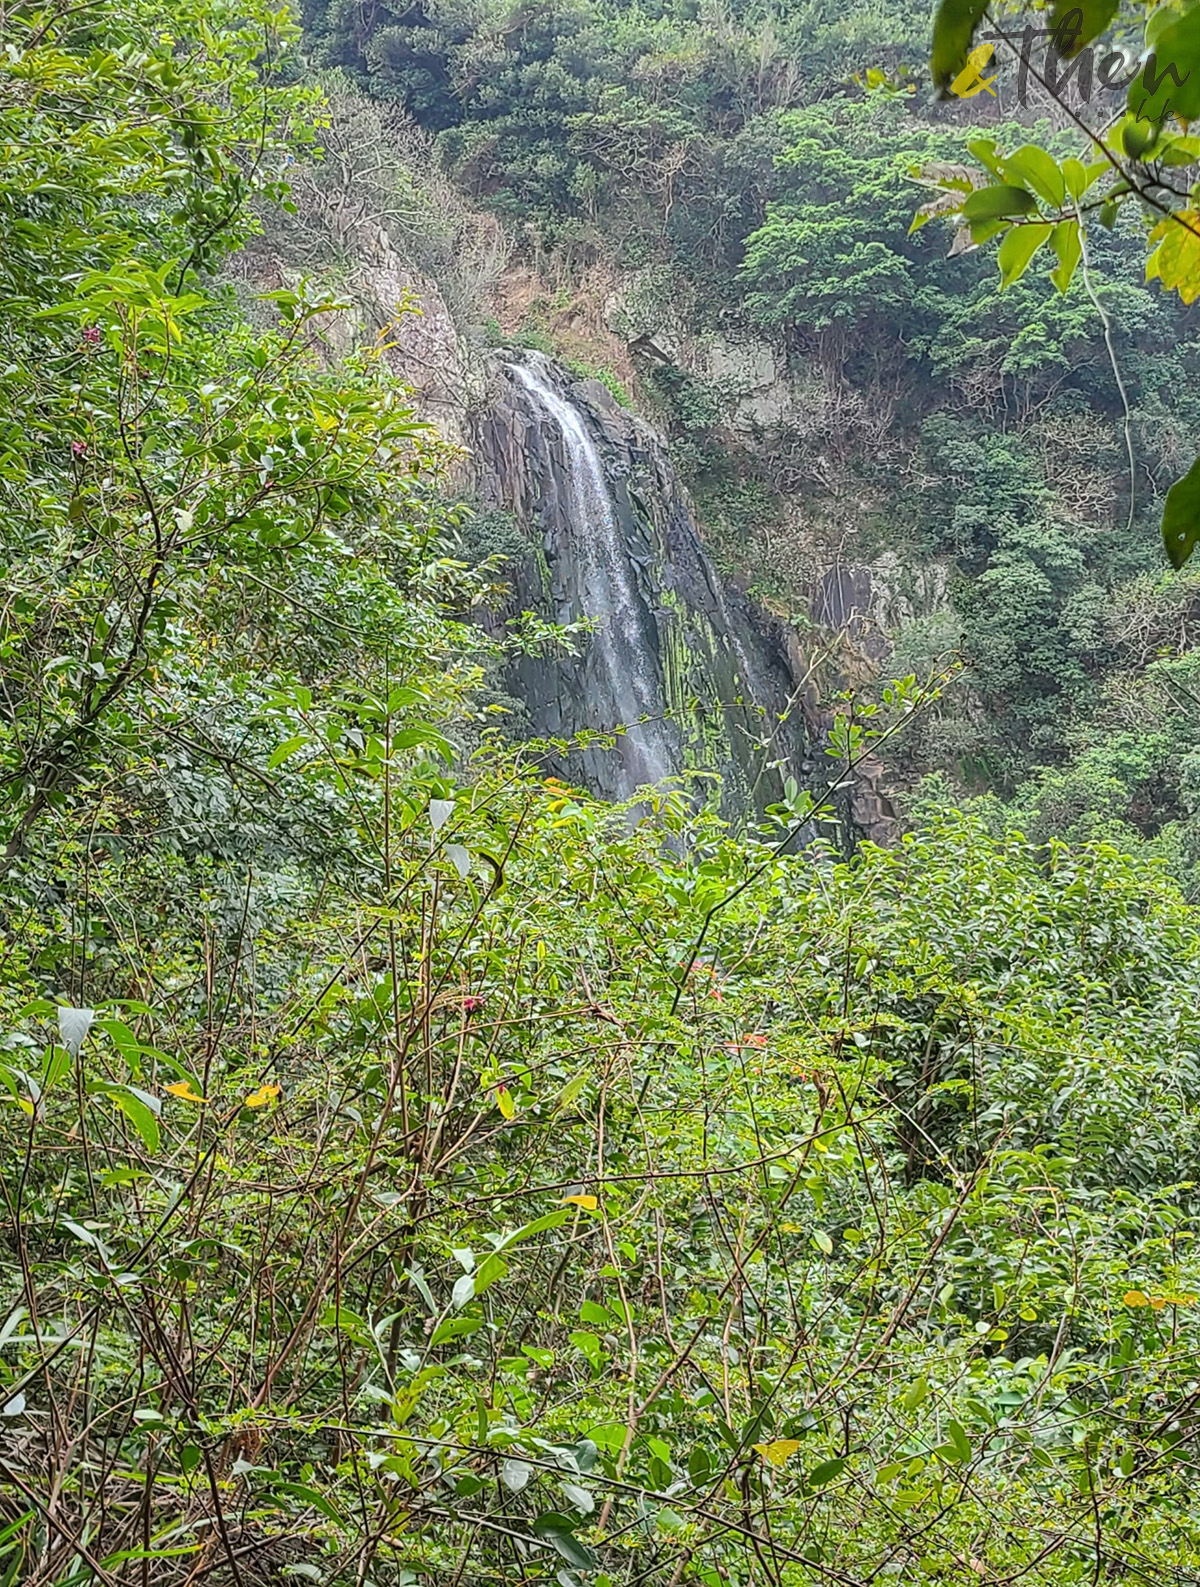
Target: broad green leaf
<point>490,1271</point>
<point>1033,168</point>
<point>998,202</point>
<point>1068,246</point>
<point>549,1220</point>
<point>455,1328</point>
<point>411,737</point>
<point>916,1394</point>
<point>1016,252</point>
<point>555,1529</point>
<point>1169,82</point>
<point>308,1495</point>
<point>1075,177</point>
<point>825,1472</point>
<point>959,1440</point>
<point>986,152</point>
<point>137,1106</point>
<point>1181,517</point>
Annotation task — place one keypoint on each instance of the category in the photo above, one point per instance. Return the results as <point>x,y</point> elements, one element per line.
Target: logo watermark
<point>1065,70</point>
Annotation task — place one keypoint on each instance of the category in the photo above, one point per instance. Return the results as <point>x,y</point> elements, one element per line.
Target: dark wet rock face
<point>699,676</point>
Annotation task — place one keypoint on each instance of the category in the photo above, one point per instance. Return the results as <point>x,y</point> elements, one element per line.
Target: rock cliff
<point>696,675</point>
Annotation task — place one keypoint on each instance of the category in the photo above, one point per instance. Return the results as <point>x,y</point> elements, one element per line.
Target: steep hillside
<point>903,461</point>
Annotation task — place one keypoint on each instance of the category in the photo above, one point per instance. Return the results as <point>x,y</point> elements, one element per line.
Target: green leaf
<point>959,1440</point>
<point>1181,517</point>
<point>1033,168</point>
<point>1077,22</point>
<point>139,1107</point>
<point>490,1271</point>
<point>455,1328</point>
<point>916,1394</point>
<point>555,1529</point>
<point>309,1496</point>
<point>281,753</point>
<point>1169,82</point>
<point>1068,245</point>
<point>985,151</point>
<point>1016,252</point>
<point>549,1220</point>
<point>825,1472</point>
<point>1000,202</point>
<point>954,25</point>
<point>1079,177</point>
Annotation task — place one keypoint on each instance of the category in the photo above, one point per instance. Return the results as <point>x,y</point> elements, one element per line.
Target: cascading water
<point>690,674</point>
<point>621,668</point>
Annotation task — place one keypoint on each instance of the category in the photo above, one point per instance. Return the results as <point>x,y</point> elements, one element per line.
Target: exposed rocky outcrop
<point>698,674</point>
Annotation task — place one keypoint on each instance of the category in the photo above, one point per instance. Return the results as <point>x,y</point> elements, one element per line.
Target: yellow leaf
<point>264,1094</point>
<point>588,1203</point>
<point>1176,260</point>
<point>505,1102</point>
<point>184,1092</point>
<point>1135,1297</point>
<point>780,1452</point>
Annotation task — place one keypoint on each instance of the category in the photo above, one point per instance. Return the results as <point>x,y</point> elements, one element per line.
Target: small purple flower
<point>472,1005</point>
<point>79,448</point>
<point>91,335</point>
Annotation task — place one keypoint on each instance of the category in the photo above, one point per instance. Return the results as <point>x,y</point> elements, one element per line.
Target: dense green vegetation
<point>415,1171</point>
<point>733,166</point>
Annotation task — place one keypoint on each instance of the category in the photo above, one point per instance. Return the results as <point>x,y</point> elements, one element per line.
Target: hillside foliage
<point>416,1171</point>
<point>755,176</point>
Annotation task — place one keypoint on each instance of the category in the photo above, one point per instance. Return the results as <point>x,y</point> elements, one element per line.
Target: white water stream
<point>624,681</point>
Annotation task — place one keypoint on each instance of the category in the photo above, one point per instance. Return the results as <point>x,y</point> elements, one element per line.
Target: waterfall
<point>622,683</point>
<point>685,670</point>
